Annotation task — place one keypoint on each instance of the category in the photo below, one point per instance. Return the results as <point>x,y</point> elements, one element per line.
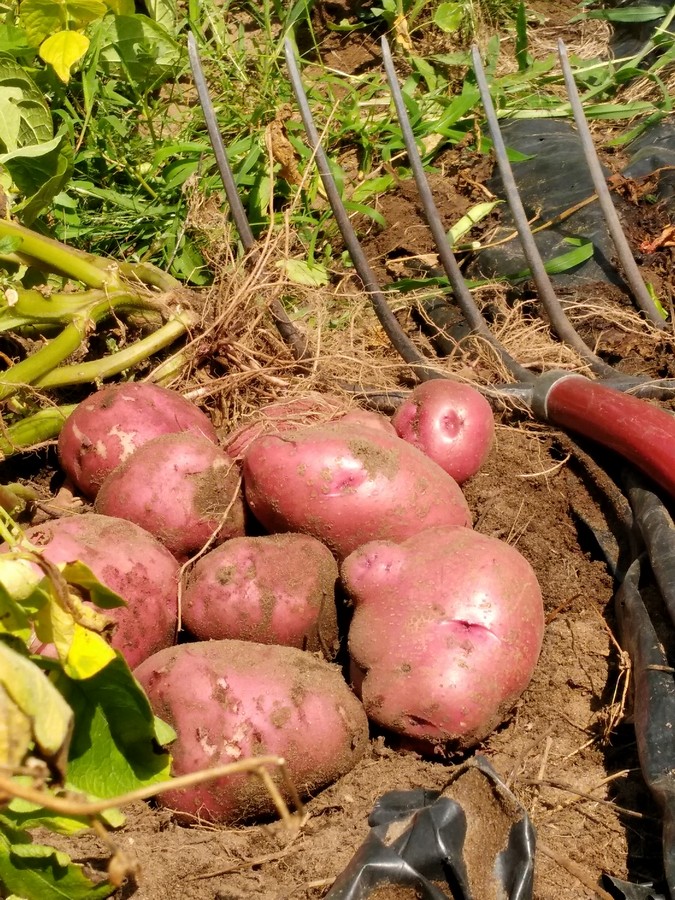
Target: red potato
<point>451,422</point>
<point>348,486</point>
<point>278,589</point>
<point>179,487</point>
<point>106,428</point>
<point>130,562</point>
<point>285,415</point>
<point>365,418</point>
<point>229,700</point>
<point>459,623</point>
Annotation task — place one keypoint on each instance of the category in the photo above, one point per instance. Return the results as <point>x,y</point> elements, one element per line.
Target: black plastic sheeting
<point>418,840</point>
<point>554,179</point>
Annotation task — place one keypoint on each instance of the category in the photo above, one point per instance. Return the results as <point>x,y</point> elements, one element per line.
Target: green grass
<point>137,142</point>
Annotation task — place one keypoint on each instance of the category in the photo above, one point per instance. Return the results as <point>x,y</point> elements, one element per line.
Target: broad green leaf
<point>19,90</point>
<point>114,744</point>
<point>13,40</point>
<point>302,272</point>
<point>36,872</point>
<point>10,116</point>
<point>42,18</point>
<point>39,172</point>
<point>138,48</point>
<point>449,16</point>
<point>29,209</point>
<point>162,11</point>
<point>31,702</point>
<point>62,50</point>
<point>121,7</point>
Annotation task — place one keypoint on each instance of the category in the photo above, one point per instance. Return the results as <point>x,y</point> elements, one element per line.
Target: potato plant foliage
<point>78,723</point>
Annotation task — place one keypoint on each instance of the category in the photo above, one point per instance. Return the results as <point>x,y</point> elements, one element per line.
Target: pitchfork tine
<point>555,312</point>
<point>631,271</point>
<point>472,314</point>
<point>393,330</point>
<point>236,206</point>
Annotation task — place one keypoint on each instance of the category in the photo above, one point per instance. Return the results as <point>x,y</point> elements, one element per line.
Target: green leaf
<point>449,16</point>
<point>476,214</point>
<point>35,872</point>
<point>302,272</point>
<point>40,172</point>
<point>162,11</point>
<point>24,814</point>
<point>19,93</point>
<point>31,708</point>
<point>114,744</point>
<point>139,48</point>
<point>564,261</point>
<point>42,18</point>
<point>62,50</point>
<point>81,576</point>
<point>634,14</point>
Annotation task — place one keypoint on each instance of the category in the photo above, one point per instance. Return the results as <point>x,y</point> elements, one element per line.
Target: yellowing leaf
<point>62,50</point>
<point>88,654</point>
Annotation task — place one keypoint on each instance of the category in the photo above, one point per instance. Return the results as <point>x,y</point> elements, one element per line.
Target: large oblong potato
<point>229,700</point>
<point>347,485</point>
<point>459,622</point>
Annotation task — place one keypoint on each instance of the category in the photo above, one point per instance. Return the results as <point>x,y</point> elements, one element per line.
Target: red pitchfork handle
<point>642,433</point>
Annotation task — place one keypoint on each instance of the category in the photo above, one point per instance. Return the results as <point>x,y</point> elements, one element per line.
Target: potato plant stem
<point>94,272</point>
<point>123,359</point>
<point>36,429</point>
<point>59,348</point>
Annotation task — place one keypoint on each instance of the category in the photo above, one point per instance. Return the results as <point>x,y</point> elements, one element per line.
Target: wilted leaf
<point>302,272</point>
<point>62,50</point>
<point>30,701</point>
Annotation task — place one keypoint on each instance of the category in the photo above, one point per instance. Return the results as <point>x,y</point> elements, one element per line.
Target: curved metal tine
<point>236,206</point>
<point>393,330</point>
<point>630,268</point>
<point>472,314</point>
<point>555,312</point>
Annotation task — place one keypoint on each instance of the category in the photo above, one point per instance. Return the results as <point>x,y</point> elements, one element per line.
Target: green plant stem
<point>149,274</point>
<point>118,362</point>
<point>32,308</point>
<point>36,429</point>
<point>59,348</point>
<point>94,272</point>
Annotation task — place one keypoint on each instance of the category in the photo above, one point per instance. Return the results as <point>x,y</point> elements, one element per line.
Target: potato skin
<point>451,422</point>
<point>278,589</point>
<point>178,487</point>
<point>130,562</point>
<point>106,428</point>
<point>459,622</point>
<point>228,700</point>
<point>348,485</point>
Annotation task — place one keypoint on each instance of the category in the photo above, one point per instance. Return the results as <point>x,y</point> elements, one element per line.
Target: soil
<point>567,751</point>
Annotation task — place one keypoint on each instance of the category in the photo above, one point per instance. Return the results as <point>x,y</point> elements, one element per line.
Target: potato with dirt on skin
<point>131,563</point>
<point>230,700</point>
<point>277,589</point>
<point>181,488</point>
<point>459,622</point>
<point>106,428</point>
<point>302,411</point>
<point>347,485</point>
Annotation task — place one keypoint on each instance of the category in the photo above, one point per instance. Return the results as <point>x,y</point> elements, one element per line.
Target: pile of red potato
<point>288,524</point>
